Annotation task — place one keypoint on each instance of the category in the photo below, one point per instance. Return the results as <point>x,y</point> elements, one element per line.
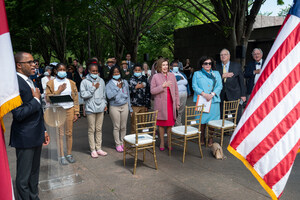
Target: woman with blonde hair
<point>166,98</point>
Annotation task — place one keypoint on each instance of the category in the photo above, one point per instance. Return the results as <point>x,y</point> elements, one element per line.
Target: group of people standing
<point>121,91</point>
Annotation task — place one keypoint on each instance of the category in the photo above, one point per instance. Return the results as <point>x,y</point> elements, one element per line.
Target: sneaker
<point>70,159</point>
<point>119,148</point>
<point>63,161</point>
<point>101,153</point>
<point>94,154</point>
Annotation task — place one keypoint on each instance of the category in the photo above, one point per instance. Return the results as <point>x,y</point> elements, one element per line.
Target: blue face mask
<point>62,74</point>
<point>94,76</point>
<point>117,77</point>
<point>175,69</point>
<point>137,74</point>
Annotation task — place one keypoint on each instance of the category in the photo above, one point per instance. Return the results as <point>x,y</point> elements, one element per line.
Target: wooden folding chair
<point>217,128</point>
<point>143,139</point>
<point>180,135</point>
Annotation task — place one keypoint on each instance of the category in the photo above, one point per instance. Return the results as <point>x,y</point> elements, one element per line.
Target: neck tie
<point>224,71</point>
<point>30,83</point>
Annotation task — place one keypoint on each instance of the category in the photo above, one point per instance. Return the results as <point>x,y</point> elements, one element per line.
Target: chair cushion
<point>218,123</point>
<point>180,130</point>
<point>142,139</point>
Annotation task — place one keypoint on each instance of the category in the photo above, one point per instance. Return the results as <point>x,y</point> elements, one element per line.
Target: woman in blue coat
<point>208,83</point>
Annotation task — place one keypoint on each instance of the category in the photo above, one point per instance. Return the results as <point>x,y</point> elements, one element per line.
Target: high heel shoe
<point>168,148</point>
<point>161,149</point>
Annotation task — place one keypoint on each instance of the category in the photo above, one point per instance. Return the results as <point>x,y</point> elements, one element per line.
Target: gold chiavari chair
<point>143,139</point>
<point>180,135</point>
<point>217,128</point>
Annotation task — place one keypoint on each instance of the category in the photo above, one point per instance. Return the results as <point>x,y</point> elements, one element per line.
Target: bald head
<point>24,63</point>
<point>19,56</point>
<point>225,56</point>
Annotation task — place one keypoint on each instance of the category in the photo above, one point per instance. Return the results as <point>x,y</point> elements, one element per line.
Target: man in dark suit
<point>28,132</point>
<point>252,70</point>
<point>129,62</point>
<point>233,81</point>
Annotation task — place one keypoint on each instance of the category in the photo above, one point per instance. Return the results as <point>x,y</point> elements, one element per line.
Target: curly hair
<point>203,59</point>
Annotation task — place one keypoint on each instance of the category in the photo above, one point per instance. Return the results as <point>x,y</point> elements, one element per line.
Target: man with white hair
<point>233,81</point>
<point>253,69</point>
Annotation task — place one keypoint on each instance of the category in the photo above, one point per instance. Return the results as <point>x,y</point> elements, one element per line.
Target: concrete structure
<point>196,41</point>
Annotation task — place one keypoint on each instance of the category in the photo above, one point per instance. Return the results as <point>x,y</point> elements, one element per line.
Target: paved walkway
<point>106,178</point>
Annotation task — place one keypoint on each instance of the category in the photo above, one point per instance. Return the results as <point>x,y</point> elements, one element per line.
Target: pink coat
<point>160,94</point>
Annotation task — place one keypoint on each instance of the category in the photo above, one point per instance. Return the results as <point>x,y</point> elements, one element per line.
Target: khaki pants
<point>182,98</point>
<point>68,129</point>
<point>95,121</point>
<point>119,116</point>
<point>136,109</point>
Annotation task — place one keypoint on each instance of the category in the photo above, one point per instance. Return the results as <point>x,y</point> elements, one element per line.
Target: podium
<point>53,175</point>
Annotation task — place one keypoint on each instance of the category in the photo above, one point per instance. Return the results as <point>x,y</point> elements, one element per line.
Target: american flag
<point>267,137</point>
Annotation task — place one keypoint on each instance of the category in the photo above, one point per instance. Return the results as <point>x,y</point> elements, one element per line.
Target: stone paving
<point>107,178</point>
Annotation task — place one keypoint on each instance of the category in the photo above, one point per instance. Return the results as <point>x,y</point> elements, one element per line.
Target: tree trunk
<point>119,49</point>
<point>89,41</point>
<point>132,48</point>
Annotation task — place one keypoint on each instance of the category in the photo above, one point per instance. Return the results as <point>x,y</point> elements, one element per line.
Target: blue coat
<point>201,83</point>
<point>27,129</point>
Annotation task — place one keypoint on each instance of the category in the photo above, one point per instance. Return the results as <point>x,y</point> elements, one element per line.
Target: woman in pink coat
<point>164,89</point>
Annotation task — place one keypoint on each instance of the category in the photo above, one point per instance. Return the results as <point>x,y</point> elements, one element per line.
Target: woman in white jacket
<point>92,90</point>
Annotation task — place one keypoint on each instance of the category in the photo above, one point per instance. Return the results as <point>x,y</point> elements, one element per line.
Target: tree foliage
<point>105,28</point>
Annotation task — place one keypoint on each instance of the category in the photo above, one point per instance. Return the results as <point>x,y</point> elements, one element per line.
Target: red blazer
<point>160,94</point>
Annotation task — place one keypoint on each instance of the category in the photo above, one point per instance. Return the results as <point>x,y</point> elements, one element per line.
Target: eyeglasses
<point>207,63</point>
<point>224,54</point>
<point>30,62</point>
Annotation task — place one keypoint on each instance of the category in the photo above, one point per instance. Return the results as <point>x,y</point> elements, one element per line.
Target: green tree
<point>128,20</point>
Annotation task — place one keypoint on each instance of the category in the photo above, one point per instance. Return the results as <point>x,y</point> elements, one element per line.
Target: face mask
<point>94,76</point>
<point>117,77</point>
<point>175,69</point>
<point>137,74</point>
<point>46,74</point>
<point>62,74</point>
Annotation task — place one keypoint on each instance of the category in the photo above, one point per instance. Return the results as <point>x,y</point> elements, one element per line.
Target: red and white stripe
<point>9,94</point>
<point>268,135</point>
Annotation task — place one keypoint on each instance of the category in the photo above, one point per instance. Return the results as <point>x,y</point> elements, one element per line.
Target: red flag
<point>6,192</point>
<point>9,99</point>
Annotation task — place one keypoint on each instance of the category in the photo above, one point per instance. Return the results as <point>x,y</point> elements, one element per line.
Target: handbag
<point>217,151</point>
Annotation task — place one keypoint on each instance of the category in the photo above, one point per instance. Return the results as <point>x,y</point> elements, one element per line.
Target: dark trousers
<point>28,168</point>
<point>224,98</point>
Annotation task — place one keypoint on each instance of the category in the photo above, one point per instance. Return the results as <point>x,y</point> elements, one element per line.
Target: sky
<point>271,6</point>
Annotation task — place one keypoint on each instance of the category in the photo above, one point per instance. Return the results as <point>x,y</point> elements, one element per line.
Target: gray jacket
<point>95,99</point>
<point>118,96</point>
